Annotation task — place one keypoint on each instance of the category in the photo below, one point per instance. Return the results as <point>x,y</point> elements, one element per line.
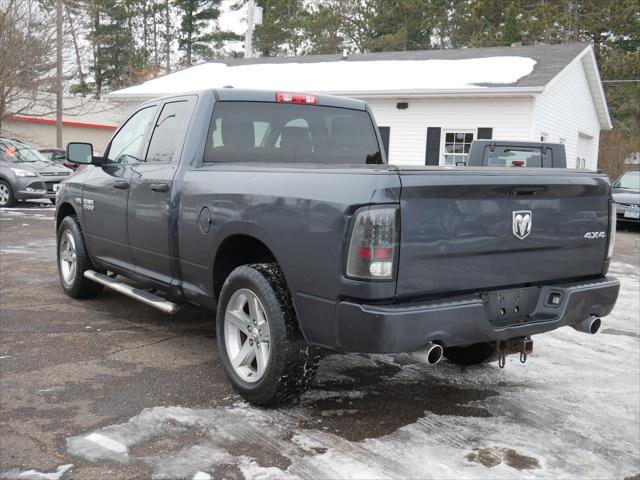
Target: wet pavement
<point>110,388</point>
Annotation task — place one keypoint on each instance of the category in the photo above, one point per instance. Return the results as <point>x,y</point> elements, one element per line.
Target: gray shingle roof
<point>551,59</point>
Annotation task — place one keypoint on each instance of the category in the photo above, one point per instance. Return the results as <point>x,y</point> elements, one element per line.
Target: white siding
<point>565,110</point>
<point>510,119</point>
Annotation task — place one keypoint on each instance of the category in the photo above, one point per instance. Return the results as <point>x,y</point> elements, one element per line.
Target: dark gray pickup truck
<point>280,211</point>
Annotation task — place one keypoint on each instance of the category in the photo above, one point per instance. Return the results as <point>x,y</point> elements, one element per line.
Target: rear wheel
<point>6,195</point>
<point>73,261</point>
<point>261,348</point>
<point>472,354</point>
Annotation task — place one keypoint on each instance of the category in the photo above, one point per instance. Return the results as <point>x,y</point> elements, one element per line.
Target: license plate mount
<point>510,307</point>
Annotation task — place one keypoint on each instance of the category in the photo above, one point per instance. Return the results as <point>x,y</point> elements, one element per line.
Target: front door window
<point>125,146</point>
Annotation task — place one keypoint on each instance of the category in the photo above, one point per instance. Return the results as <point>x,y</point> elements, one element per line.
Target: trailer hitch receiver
<point>521,345</point>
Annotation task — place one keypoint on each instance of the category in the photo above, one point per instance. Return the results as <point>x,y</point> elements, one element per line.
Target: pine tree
<point>281,30</point>
<point>401,25</point>
<point>511,32</point>
<point>324,28</point>
<point>196,15</point>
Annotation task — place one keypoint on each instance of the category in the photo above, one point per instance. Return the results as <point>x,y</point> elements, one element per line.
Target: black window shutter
<point>433,146</point>
<point>485,133</point>
<point>385,132</point>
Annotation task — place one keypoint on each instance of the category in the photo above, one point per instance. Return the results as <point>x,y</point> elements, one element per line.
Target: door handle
<point>160,187</point>
<point>121,185</point>
<point>527,191</point>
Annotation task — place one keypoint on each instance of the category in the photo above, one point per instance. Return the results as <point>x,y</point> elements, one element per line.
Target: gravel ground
<point>110,388</point>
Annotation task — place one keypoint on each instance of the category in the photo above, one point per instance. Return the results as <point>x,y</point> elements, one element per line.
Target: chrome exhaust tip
<point>590,325</point>
<point>430,354</point>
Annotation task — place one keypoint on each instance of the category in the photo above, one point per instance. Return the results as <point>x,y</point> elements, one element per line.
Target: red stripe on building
<point>20,118</point>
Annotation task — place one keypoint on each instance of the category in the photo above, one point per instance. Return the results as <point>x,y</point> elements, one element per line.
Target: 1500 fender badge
<point>87,204</point>
<point>594,235</point>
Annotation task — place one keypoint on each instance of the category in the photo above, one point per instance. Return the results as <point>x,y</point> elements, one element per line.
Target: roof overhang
<point>430,93</point>
<point>445,93</point>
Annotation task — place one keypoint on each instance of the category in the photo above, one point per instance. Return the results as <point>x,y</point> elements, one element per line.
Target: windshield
<point>17,152</point>
<point>291,133</point>
<point>629,181</point>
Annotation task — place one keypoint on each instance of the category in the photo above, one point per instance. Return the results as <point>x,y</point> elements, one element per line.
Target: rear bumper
<point>464,320</point>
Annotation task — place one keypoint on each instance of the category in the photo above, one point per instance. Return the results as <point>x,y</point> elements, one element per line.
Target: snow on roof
<point>341,77</point>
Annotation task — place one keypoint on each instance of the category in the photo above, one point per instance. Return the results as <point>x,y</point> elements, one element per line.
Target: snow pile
<point>341,77</point>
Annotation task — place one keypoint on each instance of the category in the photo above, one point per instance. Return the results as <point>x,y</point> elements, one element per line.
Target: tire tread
<point>296,361</point>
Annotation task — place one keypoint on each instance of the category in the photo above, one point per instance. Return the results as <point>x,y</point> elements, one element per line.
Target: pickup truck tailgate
<point>457,228</point>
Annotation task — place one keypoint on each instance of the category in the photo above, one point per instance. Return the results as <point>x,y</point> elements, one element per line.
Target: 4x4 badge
<point>522,223</point>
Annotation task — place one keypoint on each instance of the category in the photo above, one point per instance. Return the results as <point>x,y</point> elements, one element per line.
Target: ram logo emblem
<point>522,223</point>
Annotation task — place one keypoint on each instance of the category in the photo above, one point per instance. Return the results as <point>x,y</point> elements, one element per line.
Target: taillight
<point>613,221</point>
<point>373,246</point>
<point>285,97</point>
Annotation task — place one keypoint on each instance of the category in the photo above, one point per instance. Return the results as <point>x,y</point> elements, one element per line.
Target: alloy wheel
<point>68,259</point>
<point>4,195</point>
<point>247,335</point>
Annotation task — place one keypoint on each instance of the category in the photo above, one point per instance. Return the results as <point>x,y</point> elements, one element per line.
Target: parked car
<point>509,153</point>
<point>59,156</point>
<point>26,174</point>
<point>279,211</point>
<point>626,194</point>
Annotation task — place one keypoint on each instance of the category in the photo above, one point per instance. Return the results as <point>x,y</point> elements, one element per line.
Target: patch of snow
<point>201,476</point>
<point>342,77</point>
<point>35,475</point>
<point>106,442</point>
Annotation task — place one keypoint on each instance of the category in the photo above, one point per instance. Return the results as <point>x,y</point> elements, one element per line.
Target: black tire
<point>475,354</point>
<point>11,200</point>
<point>78,286</point>
<point>292,362</point>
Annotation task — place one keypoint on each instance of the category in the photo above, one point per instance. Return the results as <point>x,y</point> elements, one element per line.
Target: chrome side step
<point>141,295</point>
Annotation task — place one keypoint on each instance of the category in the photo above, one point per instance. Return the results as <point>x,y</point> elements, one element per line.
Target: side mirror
<point>81,153</point>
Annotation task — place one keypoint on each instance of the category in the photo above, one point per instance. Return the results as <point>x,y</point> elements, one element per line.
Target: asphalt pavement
<point>111,388</point>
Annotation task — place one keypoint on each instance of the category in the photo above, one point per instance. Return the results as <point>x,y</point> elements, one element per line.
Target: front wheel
<point>7,198</point>
<point>472,354</point>
<point>73,261</point>
<point>263,353</point>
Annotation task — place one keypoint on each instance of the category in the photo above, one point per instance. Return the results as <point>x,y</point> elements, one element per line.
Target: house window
<point>456,147</point>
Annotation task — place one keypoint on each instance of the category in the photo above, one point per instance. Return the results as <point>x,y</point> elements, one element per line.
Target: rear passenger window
<point>165,138</point>
<point>514,157</point>
<point>288,133</point>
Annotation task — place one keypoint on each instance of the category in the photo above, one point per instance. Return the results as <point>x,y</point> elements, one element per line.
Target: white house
<point>431,104</point>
